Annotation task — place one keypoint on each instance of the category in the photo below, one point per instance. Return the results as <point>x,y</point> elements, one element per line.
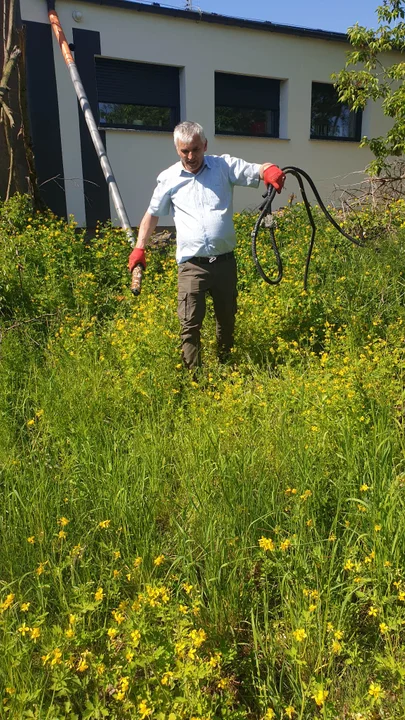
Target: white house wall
<point>201,49</point>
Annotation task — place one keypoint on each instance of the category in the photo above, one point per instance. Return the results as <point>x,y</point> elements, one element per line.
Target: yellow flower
<point>270,714</point>
<point>364,487</point>
<point>61,534</point>
<point>82,665</point>
<point>40,569</point>
<point>69,633</point>
<point>35,633</point>
<point>144,710</point>
<point>372,611</point>
<point>7,602</point>
<point>187,588</point>
<point>25,606</point>
<point>24,629</point>
<point>99,594</point>
<point>290,711</point>
<point>338,634</point>
<point>376,691</point>
<point>285,544</point>
<point>119,617</point>
<point>383,628</point>
<point>30,423</point>
<point>266,544</point>
<point>158,561</point>
<point>167,678</point>
<point>129,656</point>
<point>336,647</point>
<point>116,554</point>
<point>135,637</point>
<point>31,539</point>
<point>137,562</point>
<point>377,528</point>
<point>306,494</point>
<point>320,696</point>
<point>104,524</point>
<point>112,632</point>
<point>349,565</point>
<point>299,634</point>
<point>63,521</point>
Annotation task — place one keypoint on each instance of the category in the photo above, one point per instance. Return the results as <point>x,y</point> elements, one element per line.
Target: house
<point>261,91</point>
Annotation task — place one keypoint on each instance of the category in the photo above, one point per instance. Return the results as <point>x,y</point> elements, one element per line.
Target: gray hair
<point>186,131</point>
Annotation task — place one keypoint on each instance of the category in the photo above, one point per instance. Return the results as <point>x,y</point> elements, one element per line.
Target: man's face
<point>191,153</point>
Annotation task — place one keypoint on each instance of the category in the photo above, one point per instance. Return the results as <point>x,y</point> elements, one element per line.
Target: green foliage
<point>380,79</point>
<point>180,551</point>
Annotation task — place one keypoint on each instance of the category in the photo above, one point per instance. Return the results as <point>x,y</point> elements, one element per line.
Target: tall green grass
<point>249,528</point>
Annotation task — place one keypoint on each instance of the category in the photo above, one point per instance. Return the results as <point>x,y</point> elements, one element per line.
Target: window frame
<point>247,103</point>
<point>337,138</point>
<point>155,81</point>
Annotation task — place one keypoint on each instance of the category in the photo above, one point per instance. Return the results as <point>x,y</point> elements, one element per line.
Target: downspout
<point>95,136</point>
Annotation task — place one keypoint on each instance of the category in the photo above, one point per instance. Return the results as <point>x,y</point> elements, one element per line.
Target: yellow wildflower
<point>25,606</point>
<point>266,544</point>
<point>82,665</point>
<point>135,637</point>
<point>299,635</point>
<point>167,678</point>
<point>285,544</point>
<point>376,691</point>
<point>372,611</point>
<point>31,539</point>
<point>320,696</point>
<point>24,629</point>
<point>63,521</point>
<point>270,714</point>
<point>137,562</point>
<point>99,594</point>
<point>35,633</point>
<point>104,524</point>
<point>112,633</point>
<point>383,628</point>
<point>158,560</point>
<point>144,710</point>
<point>290,711</point>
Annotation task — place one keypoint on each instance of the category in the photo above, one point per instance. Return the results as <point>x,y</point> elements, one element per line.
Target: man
<point>198,191</point>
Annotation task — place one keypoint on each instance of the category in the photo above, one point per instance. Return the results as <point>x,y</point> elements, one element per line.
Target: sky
<point>336,15</point>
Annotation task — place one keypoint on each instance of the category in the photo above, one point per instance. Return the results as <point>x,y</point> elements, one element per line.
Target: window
<point>331,119</point>
<point>135,95</point>
<point>246,105</point>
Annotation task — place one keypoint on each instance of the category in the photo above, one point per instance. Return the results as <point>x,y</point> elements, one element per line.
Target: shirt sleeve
<point>160,203</point>
<point>241,172</point>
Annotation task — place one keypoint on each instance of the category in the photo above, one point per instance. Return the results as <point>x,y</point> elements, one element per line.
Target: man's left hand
<point>274,176</point>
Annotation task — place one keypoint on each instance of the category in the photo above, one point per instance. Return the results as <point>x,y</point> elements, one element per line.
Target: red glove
<point>137,257</point>
<point>274,176</point>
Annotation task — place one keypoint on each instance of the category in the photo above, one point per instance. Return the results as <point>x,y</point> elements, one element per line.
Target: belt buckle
<point>212,259</point>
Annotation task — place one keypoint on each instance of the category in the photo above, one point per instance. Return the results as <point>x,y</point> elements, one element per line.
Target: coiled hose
<point>266,212</point>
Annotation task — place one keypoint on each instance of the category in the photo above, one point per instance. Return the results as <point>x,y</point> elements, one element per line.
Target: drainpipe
<point>95,136</point>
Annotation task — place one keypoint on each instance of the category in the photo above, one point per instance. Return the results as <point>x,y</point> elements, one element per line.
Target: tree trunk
<point>17,168</point>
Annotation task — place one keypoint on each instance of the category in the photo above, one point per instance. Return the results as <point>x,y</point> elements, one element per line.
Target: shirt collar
<point>186,173</point>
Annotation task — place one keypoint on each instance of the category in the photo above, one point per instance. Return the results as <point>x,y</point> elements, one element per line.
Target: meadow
<point>232,548</point>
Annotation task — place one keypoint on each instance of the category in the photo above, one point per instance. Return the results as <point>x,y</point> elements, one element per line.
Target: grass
<point>233,549</point>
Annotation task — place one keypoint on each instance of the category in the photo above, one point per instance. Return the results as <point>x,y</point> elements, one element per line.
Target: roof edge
<point>155,8</point>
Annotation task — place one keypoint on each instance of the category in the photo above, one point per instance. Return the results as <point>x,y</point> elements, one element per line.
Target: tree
<point>17,167</point>
<point>378,79</point>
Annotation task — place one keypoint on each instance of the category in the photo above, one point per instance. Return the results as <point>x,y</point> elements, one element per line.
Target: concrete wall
<point>200,49</point>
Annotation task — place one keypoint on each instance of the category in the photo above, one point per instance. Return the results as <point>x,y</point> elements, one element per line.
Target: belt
<point>199,260</point>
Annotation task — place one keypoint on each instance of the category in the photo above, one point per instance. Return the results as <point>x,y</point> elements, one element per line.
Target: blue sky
<point>335,15</point>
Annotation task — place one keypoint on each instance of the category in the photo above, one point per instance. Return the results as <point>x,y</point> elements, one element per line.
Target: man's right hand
<point>137,257</point>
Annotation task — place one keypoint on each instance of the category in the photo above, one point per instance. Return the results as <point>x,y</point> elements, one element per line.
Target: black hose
<point>266,212</point>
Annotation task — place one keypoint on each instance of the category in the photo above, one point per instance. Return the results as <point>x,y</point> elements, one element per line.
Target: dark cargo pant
<point>196,278</point>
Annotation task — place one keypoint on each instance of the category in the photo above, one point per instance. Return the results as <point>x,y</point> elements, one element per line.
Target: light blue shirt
<point>202,203</point>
